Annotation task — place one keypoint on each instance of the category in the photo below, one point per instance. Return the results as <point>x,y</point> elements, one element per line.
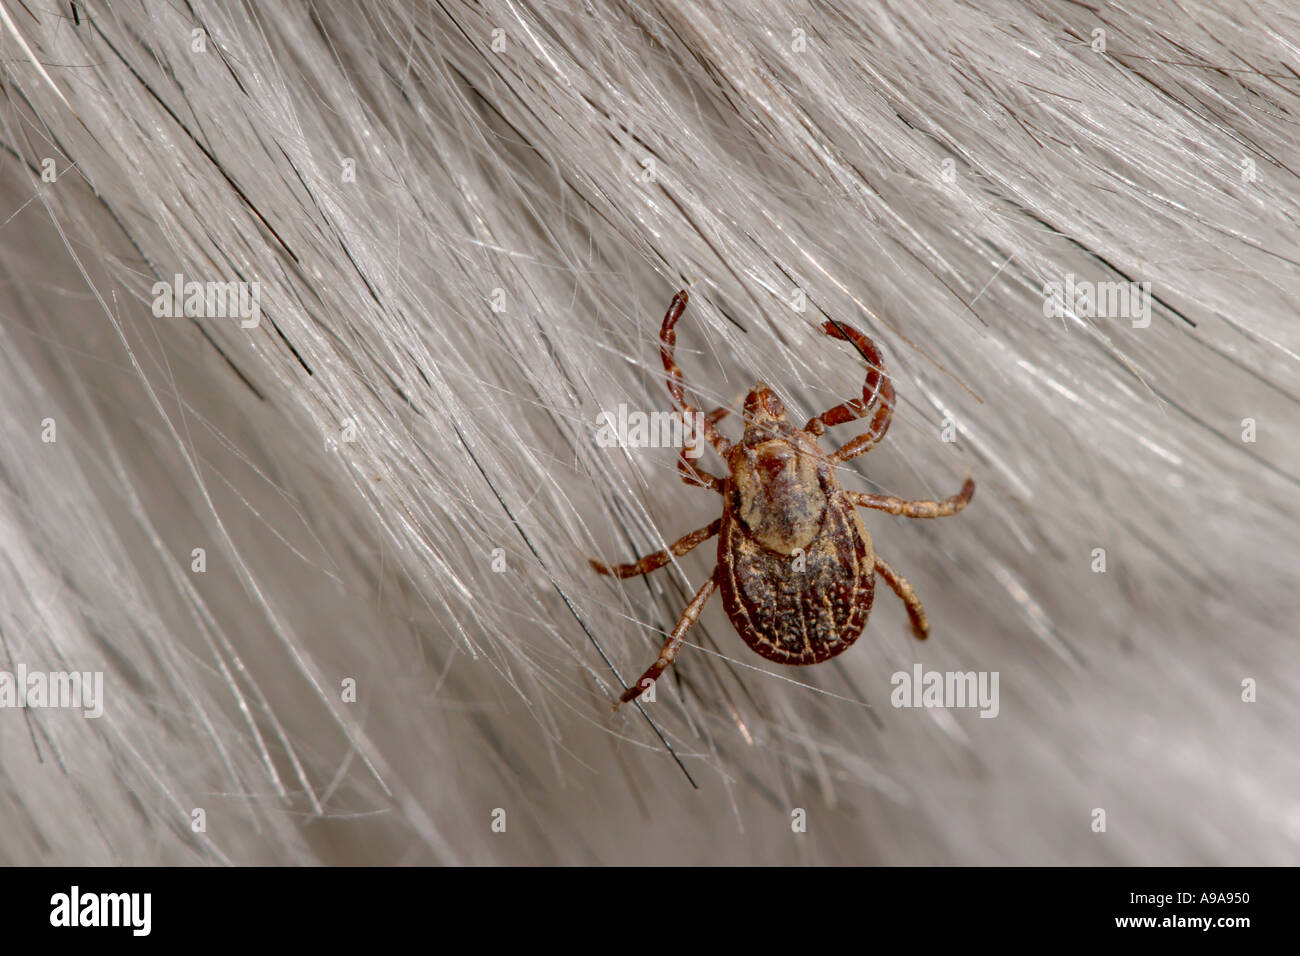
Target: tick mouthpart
<point>761,402</point>
<point>764,414</point>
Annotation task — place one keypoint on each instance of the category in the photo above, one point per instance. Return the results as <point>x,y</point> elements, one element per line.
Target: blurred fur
<point>920,171</point>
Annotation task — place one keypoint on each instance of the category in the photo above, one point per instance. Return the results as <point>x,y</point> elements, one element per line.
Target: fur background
<point>466,220</point>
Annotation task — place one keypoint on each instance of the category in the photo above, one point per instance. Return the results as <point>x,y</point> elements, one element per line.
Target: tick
<point>795,564</point>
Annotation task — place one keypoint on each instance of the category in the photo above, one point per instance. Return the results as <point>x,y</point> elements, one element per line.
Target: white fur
<point>520,170</point>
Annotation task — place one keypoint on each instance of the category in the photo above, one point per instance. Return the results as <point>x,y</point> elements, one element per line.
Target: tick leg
<point>916,509</point>
<point>877,393</point>
<point>669,651</point>
<point>920,624</point>
<point>692,475</point>
<point>676,388</point>
<point>657,560</point>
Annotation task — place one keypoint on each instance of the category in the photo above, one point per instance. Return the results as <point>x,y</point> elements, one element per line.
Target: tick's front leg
<point>916,509</point>
<point>877,393</point>
<point>669,651</point>
<point>676,386</point>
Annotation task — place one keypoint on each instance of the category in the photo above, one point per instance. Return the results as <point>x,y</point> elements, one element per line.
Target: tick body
<point>796,569</point>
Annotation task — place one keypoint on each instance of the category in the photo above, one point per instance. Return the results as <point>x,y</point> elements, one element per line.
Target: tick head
<point>764,416</point>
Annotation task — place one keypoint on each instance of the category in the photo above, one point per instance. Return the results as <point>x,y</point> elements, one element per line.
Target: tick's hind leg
<point>676,386</point>
<point>916,509</point>
<point>657,560</point>
<point>877,393</point>
<point>669,651</point>
<point>920,623</point>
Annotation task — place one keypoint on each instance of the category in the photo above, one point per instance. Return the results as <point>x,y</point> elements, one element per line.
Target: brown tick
<point>795,563</point>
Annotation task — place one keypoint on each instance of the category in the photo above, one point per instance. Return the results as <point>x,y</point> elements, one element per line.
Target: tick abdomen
<point>802,608</point>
